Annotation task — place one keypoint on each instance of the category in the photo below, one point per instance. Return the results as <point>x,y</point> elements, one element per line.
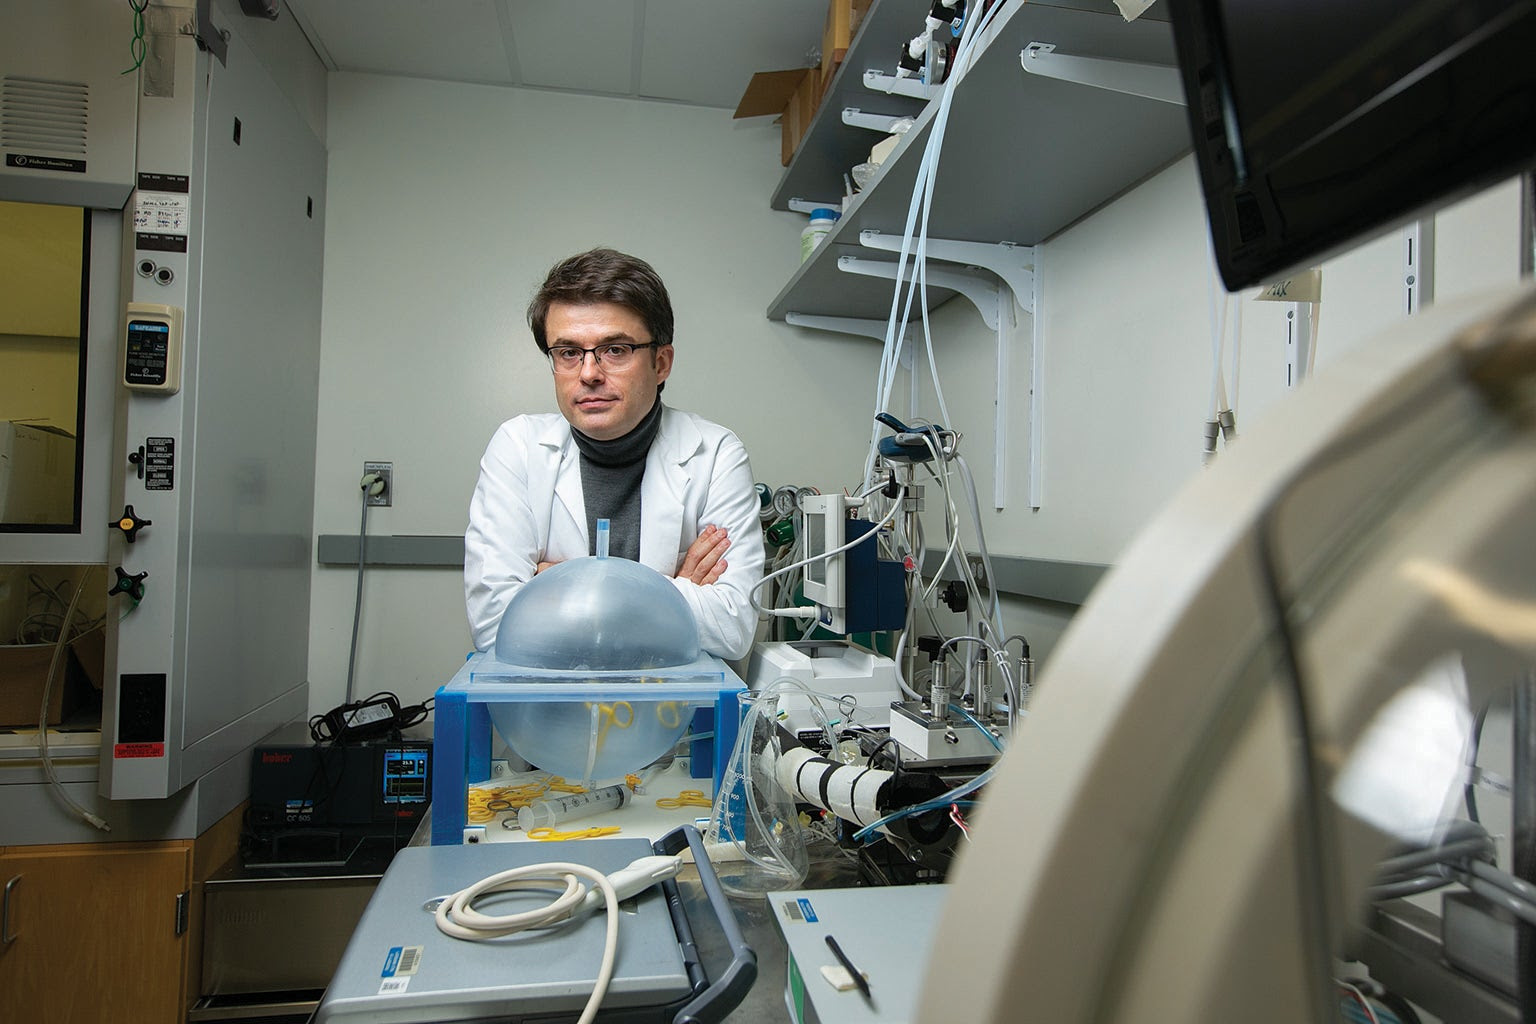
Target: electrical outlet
<point>387,471</point>
<point>978,571</point>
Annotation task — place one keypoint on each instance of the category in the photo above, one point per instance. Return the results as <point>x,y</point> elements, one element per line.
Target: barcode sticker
<point>393,986</point>
<point>401,960</point>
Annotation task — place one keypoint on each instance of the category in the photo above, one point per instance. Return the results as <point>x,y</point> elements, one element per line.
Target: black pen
<point>842,958</point>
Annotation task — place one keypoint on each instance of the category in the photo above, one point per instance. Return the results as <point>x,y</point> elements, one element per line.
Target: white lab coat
<point>528,508</point>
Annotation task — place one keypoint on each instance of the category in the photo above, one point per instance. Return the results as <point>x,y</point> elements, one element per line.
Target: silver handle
<point>6,938</point>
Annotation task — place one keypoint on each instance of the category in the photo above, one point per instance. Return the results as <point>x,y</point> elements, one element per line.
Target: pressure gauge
<point>152,348</point>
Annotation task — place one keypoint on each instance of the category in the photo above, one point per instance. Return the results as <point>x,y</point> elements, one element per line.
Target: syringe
<point>577,805</point>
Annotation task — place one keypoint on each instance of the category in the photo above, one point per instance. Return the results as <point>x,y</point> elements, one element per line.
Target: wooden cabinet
<point>93,932</point>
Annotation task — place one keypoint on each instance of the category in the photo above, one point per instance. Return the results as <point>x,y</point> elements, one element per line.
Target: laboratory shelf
<point>1024,156</point>
<point>830,147</point>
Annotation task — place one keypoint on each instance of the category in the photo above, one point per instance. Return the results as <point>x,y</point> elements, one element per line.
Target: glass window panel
<point>42,365</point>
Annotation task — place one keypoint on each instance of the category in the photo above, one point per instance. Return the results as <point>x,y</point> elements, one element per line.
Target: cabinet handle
<point>6,938</point>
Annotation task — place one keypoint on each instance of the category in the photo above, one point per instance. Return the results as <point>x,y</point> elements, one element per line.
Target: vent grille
<point>39,116</point>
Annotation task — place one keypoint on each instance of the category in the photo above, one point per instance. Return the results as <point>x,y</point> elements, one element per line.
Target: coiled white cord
<point>457,917</point>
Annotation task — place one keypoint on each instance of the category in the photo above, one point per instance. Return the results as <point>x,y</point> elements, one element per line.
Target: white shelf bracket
<point>863,327</point>
<point>1149,81</point>
<point>1298,343</point>
<point>879,81</point>
<point>970,283</point>
<point>1015,264</point>
<point>799,205</point>
<point>882,123</point>
<point>996,277</point>
<point>1036,392</point>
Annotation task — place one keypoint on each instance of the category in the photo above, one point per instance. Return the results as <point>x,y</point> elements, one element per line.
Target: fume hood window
<point>42,365</point>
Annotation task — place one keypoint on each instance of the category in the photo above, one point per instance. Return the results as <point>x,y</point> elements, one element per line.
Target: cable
<point>922,197</point>
<point>1359,999</point>
<point>1469,791</point>
<point>137,48</point>
<point>808,610</point>
<point>42,717</point>
<point>962,790</point>
<point>376,715</point>
<point>895,756</point>
<point>457,917</point>
<point>370,485</point>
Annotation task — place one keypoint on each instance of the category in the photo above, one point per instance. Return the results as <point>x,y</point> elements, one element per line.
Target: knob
<point>136,459</point>
<point>130,524</point>
<point>133,585</point>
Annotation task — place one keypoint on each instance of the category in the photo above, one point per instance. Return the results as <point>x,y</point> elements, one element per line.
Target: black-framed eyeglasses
<point>611,355</point>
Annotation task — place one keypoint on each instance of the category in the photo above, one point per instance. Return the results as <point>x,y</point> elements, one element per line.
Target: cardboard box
<point>843,20</point>
<point>835,37</point>
<point>37,474</point>
<point>24,671</point>
<point>795,95</point>
<point>792,95</point>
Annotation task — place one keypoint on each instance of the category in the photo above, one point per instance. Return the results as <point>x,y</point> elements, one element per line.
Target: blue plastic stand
<point>462,720</point>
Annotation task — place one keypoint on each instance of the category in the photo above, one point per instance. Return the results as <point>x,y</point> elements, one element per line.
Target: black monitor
<point>1317,122</point>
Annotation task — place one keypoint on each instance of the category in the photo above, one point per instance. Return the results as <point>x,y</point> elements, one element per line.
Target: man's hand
<point>544,565</point>
<point>705,559</point>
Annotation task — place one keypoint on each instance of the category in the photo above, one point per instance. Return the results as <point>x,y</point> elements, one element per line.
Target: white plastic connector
<point>635,878</point>
<point>1228,422</point>
<point>475,834</point>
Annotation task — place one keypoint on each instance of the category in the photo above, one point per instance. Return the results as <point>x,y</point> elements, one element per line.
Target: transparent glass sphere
<point>601,615</point>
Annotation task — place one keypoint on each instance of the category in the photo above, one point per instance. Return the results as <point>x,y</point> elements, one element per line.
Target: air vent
<point>43,117</point>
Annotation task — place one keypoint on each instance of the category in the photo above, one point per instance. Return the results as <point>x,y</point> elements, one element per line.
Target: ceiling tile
<point>705,51</point>
<point>459,40</point>
<point>586,45</point>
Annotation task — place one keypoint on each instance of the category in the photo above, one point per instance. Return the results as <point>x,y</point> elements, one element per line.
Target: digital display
<point>148,355</point>
<point>405,776</point>
<point>816,544</point>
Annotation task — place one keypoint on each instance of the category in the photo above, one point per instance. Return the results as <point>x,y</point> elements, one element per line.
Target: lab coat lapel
<point>663,492</point>
<point>565,468</point>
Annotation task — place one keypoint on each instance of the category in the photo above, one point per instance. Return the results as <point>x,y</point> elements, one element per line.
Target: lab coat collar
<point>662,491</point>
<point>663,488</point>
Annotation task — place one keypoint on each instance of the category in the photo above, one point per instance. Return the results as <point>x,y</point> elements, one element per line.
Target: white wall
<point>285,52</point>
<point>447,205</point>
<point>449,202</point>
<point>1126,340</point>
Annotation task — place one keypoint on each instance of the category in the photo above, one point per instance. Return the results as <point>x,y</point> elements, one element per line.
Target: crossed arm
<point>703,562</point>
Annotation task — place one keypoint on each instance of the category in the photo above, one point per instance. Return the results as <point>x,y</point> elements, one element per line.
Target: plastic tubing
<point>962,790</point>
<point>922,194</point>
<point>800,613</point>
<point>742,756</point>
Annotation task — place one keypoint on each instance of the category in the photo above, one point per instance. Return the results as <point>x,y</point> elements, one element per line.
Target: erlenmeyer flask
<point>759,846</point>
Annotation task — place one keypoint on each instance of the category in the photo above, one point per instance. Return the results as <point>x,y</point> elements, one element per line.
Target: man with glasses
<point>676,489</point>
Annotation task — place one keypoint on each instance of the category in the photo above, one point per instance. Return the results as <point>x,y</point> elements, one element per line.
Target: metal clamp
<point>6,938</point>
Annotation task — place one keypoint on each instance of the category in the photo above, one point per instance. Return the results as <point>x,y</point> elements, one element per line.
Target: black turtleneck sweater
<point>611,472</point>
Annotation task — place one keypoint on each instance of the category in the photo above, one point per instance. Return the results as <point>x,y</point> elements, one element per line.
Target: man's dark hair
<point>604,275</point>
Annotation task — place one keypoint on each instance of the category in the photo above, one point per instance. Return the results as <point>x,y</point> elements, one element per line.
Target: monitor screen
<point>1316,123</point>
